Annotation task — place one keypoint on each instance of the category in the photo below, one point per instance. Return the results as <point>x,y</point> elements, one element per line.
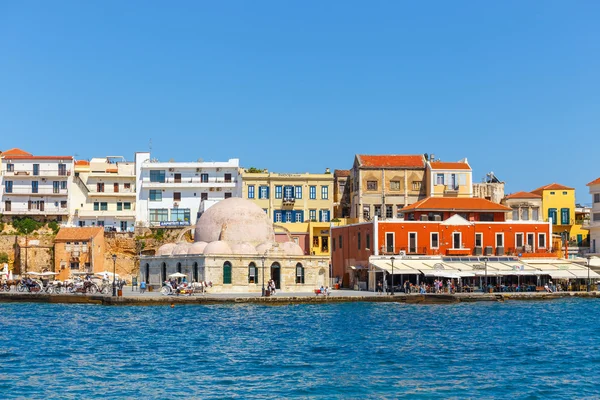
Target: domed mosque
<point>234,242</point>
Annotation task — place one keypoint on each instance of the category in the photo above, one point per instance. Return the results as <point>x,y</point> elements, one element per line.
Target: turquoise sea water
<point>360,350</point>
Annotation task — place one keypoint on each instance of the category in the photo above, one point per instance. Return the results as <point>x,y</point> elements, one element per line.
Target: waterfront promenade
<point>132,297</point>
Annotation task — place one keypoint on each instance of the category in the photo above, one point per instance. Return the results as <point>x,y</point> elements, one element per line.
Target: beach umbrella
<point>177,275</point>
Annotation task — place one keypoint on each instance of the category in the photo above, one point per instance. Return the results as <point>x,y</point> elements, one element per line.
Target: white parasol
<point>177,275</point>
<point>109,274</point>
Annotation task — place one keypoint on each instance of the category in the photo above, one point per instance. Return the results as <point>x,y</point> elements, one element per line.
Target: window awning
<point>399,268</point>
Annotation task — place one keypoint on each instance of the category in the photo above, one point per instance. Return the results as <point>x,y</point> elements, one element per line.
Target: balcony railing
<point>34,211</point>
<point>23,173</point>
<point>39,190</point>
<point>189,180</point>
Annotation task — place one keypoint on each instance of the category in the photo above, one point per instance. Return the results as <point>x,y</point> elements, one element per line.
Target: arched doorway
<point>147,274</point>
<point>276,274</point>
<point>195,272</point>
<point>179,270</point>
<point>227,273</point>
<point>163,273</point>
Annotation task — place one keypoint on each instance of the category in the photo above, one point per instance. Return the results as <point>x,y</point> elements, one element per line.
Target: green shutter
<point>227,273</point>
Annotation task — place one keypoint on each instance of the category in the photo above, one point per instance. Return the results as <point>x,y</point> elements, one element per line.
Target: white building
<point>595,217</point>
<point>103,194</point>
<point>171,193</point>
<point>36,185</point>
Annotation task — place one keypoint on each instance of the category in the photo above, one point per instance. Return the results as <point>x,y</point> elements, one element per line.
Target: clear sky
<point>297,86</point>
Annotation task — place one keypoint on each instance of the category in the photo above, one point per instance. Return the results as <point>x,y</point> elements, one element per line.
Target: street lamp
<point>589,259</point>
<point>392,258</point>
<point>263,274</point>
<point>114,258</point>
<point>485,260</point>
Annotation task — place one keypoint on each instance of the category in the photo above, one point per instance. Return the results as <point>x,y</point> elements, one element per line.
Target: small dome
<point>291,249</point>
<point>217,247</point>
<point>264,247</point>
<point>165,249</point>
<point>197,248</point>
<point>181,248</point>
<point>243,248</point>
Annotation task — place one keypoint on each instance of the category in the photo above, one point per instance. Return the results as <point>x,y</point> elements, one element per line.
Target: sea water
<point>523,350</point>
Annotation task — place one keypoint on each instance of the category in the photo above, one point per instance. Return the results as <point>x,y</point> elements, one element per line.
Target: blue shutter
<point>268,192</point>
<point>294,216</point>
<point>320,215</point>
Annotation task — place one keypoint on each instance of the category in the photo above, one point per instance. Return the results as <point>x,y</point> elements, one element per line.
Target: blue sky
<point>297,86</point>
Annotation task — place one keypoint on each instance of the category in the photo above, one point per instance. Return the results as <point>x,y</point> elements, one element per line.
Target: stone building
<point>491,188</point>
<point>79,249</point>
<point>235,248</point>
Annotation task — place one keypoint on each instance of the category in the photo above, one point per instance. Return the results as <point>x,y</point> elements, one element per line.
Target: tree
<point>26,225</point>
<point>3,258</point>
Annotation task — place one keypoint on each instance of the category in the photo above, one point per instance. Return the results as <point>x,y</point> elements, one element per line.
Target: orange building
<point>78,249</point>
<point>439,227</point>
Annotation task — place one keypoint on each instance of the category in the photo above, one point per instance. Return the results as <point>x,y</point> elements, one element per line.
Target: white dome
<point>197,248</point>
<point>291,249</point>
<point>235,220</point>
<point>217,247</point>
<point>243,248</point>
<point>264,247</point>
<point>165,249</point>
<point>181,248</point>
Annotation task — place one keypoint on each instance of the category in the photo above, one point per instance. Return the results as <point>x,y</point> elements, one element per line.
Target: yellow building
<point>558,204</point>
<point>300,205</point>
<point>449,179</point>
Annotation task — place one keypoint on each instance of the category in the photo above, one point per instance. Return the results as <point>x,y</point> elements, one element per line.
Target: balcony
<point>121,193</point>
<point>105,213</point>
<point>190,182</point>
<point>22,173</point>
<point>288,201</point>
<point>28,191</point>
<point>585,223</point>
<point>26,211</point>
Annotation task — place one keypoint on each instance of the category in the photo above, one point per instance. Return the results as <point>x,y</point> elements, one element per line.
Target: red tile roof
<point>78,234</point>
<point>552,186</point>
<point>594,182</point>
<point>523,195</point>
<point>391,161</point>
<point>449,165</point>
<point>456,204</point>
<point>82,162</point>
<point>341,172</point>
<point>16,152</point>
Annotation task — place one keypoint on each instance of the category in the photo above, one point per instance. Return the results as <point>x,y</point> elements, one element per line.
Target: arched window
<point>227,273</point>
<point>179,267</point>
<point>147,277</point>
<point>299,273</point>
<point>163,272</point>
<point>195,272</point>
<point>252,273</point>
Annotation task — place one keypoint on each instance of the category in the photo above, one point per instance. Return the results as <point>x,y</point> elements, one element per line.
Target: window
<point>96,206</point>
<point>155,195</point>
<point>299,273</point>
<point>499,239</point>
<point>324,215</point>
<point>315,241</point>
<point>371,185</point>
<point>99,187</point>
<point>62,169</point>
<point>416,185</point>
<point>313,192</point>
<point>341,242</point>
<point>439,179</point>
<point>34,187</point>
<point>176,196</point>
<point>278,192</point>
<point>263,192</point>
<point>227,195</point>
<point>596,197</point>
<point>552,193</point>
<point>127,206</point>
<point>367,212</point>
<point>368,241</point>
<point>74,265</point>
<point>515,214</point>
<point>180,214</point>
<point>36,169</point>
<point>525,214</point>
<point>552,214</point>
<point>288,216</point>
<point>288,192</point>
<point>227,178</point>
<point>159,215</point>
<point>435,240</point>
<point>252,273</point>
<point>250,191</point>
<point>564,193</point>
<point>7,205</point>
<point>103,206</point>
<point>119,206</point>
<point>489,217</point>
<point>127,186</point>
<point>535,214</point>
<point>10,167</point>
<point>116,187</point>
<point>518,240</point>
<point>395,185</point>
<point>564,216</point>
<point>452,183</point>
<point>312,215</point>
<point>203,196</point>
<point>358,239</point>
<point>299,216</point>
<point>203,178</point>
<point>399,213</point>
<point>541,240</point>
<point>278,216</point>
<point>63,185</point>
<point>298,192</point>
<point>456,240</point>
<point>596,217</point>
<point>227,273</point>
<point>157,176</point>
<point>378,211</point>
<point>324,192</point>
<point>8,187</point>
<point>479,240</point>
<point>389,211</point>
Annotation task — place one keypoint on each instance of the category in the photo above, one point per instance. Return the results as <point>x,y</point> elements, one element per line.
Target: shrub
<point>54,226</point>
<point>3,258</point>
<point>26,225</point>
<point>159,234</point>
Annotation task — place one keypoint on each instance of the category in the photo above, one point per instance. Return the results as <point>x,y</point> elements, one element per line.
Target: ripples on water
<point>356,350</point>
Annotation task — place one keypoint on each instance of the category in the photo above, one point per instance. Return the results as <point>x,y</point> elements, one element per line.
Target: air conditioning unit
<point>402,253</point>
<point>478,250</point>
<point>218,169</point>
<point>488,250</point>
<point>424,217</point>
<point>198,169</point>
<point>171,169</point>
<point>500,250</point>
<point>176,204</point>
<point>218,189</point>
<point>212,189</point>
<point>43,179</point>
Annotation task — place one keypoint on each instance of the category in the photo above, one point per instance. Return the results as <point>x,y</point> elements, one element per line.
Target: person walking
<point>407,287</point>
<point>379,288</point>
